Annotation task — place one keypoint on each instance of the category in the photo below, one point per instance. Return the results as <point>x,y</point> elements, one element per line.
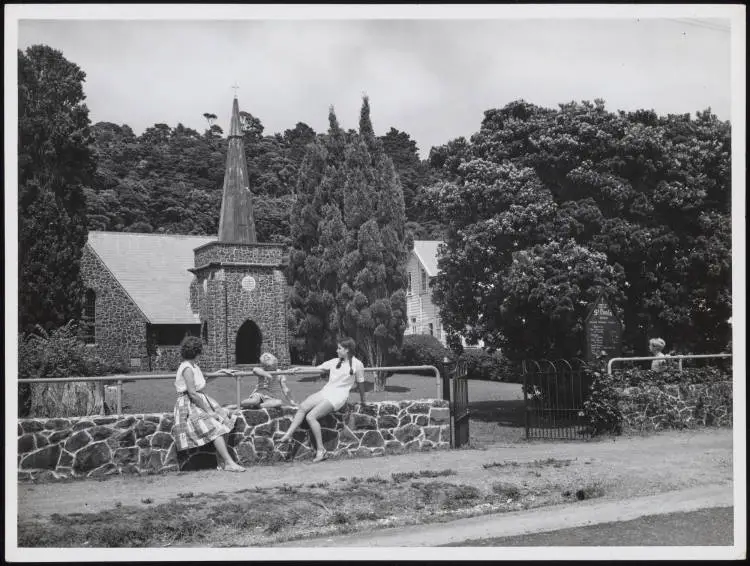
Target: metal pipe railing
<point>679,357</point>
<point>120,379</point>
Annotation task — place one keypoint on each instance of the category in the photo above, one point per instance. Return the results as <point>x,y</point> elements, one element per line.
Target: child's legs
<point>319,411</point>
<point>306,406</point>
<point>252,402</point>
<point>271,403</point>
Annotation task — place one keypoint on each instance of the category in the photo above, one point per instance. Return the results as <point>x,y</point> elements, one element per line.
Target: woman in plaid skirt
<point>199,419</point>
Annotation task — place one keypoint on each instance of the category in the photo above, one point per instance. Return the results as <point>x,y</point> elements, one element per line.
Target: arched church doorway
<point>249,340</point>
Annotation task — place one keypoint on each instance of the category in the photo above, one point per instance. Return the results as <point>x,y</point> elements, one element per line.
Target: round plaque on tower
<point>248,283</point>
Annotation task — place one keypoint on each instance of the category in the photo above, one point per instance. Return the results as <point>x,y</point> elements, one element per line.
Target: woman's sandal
<point>234,468</point>
<point>320,456</point>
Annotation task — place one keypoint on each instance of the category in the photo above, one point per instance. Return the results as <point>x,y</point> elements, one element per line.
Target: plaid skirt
<point>195,427</point>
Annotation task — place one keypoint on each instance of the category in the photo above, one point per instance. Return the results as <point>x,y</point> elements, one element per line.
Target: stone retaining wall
<point>99,446</point>
<point>652,407</point>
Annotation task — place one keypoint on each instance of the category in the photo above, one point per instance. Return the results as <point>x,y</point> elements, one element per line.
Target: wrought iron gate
<point>459,407</point>
<point>553,395</point>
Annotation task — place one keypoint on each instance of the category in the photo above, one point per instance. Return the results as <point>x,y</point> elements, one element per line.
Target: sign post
<point>603,331</point>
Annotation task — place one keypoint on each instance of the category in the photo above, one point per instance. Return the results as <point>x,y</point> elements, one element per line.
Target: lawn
<point>159,396</point>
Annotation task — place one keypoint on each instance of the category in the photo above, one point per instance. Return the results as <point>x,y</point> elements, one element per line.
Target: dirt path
<point>624,468</point>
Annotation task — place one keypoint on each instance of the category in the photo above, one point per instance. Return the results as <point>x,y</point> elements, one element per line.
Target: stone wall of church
<point>226,297</point>
<point>120,325</point>
<point>101,446</point>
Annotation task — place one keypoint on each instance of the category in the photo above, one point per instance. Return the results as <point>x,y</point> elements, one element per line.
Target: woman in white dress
<point>198,418</point>
<point>344,371</point>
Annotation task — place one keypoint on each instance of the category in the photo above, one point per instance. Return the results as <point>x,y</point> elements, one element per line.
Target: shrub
<point>422,350</point>
<point>602,404</point>
<point>635,377</point>
<point>59,353</point>
<point>506,490</point>
<point>488,366</point>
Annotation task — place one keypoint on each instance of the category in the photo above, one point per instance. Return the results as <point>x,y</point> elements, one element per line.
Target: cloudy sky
<point>432,78</point>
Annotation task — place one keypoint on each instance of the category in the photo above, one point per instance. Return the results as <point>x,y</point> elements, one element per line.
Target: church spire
<point>236,224</point>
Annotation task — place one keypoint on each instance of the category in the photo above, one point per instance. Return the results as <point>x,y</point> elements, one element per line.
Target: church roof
<point>153,270</point>
<point>426,251</point>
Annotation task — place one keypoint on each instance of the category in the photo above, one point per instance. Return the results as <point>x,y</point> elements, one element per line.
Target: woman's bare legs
<point>320,410</point>
<point>305,407</point>
<point>221,450</point>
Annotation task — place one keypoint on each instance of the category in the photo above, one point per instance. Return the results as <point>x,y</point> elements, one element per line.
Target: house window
<point>88,320</point>
<point>414,325</point>
<point>424,281</point>
<point>408,283</point>
<point>432,329</point>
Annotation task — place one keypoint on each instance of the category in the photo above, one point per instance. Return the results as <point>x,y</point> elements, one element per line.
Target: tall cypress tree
<point>318,235</point>
<point>372,302</point>
<point>55,162</point>
<point>358,254</point>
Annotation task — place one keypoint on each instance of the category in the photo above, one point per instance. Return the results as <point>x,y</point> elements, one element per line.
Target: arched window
<point>88,320</point>
<point>204,333</point>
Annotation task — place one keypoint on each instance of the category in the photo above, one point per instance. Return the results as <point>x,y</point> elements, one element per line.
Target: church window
<point>172,334</point>
<point>88,320</point>
<point>204,333</point>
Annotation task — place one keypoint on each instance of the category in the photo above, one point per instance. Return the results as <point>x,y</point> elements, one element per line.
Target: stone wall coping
<point>215,264</point>
<point>242,244</point>
<point>349,408</point>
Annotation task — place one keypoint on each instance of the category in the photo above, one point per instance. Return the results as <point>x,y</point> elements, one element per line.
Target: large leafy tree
<point>55,164</point>
<point>414,175</point>
<point>349,245</point>
<point>545,206</point>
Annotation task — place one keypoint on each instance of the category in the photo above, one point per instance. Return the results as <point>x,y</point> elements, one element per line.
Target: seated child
<point>270,388</point>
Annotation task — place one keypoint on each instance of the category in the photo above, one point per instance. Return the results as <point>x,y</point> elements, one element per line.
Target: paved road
<point>705,527</point>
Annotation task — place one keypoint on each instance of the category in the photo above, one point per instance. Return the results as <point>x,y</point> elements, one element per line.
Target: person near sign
<point>656,347</point>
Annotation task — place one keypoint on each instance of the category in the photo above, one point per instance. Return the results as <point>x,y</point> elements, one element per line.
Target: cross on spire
<point>235,87</point>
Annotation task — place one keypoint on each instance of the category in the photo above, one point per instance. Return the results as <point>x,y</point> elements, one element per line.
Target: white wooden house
<point>423,315</point>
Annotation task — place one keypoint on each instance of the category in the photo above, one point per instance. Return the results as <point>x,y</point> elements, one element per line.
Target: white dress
<point>341,380</point>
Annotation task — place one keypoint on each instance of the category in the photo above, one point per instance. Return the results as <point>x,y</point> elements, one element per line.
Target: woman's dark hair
<point>190,347</point>
<point>350,346</point>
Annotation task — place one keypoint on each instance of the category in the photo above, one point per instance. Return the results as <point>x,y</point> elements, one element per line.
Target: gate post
<point>525,400</point>
<point>447,373</point>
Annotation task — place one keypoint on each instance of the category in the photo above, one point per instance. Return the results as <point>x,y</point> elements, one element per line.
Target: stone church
<point>145,292</point>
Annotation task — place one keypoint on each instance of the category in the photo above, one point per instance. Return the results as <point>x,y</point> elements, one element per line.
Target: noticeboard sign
<point>603,331</point>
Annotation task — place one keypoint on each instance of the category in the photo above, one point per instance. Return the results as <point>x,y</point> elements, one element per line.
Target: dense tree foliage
<point>349,245</point>
<point>169,180</point>
<point>547,208</point>
<point>55,164</point>
<point>542,209</point>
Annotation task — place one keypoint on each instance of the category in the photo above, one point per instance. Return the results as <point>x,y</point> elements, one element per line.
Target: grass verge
<point>267,516</point>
